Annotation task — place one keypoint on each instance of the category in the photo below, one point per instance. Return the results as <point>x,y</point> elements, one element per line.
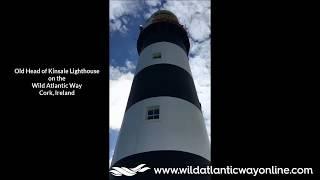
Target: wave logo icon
<point>119,171</point>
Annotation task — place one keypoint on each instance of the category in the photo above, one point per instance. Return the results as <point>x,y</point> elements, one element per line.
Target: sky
<point>125,18</point>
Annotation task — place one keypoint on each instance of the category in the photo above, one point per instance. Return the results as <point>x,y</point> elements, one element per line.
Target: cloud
<point>200,68</point>
<point>194,15</point>
<point>153,3</point>
<point>119,9</point>
<point>117,12</point>
<point>120,85</point>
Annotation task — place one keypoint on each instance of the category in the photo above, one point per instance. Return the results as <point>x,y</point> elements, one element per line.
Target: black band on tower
<point>163,158</point>
<point>163,80</point>
<point>163,31</point>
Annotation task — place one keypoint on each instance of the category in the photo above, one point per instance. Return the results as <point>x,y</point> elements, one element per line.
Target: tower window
<point>156,55</point>
<point>153,112</point>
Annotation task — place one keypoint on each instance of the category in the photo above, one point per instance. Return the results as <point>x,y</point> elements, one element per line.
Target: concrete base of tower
<point>192,164</point>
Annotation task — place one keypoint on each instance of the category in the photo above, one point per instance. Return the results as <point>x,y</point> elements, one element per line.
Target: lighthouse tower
<point>163,122</point>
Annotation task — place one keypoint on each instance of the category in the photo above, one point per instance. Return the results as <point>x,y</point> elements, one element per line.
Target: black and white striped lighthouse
<point>163,123</point>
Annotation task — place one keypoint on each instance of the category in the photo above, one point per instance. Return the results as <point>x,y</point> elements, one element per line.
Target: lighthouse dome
<point>162,16</point>
<point>162,26</point>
